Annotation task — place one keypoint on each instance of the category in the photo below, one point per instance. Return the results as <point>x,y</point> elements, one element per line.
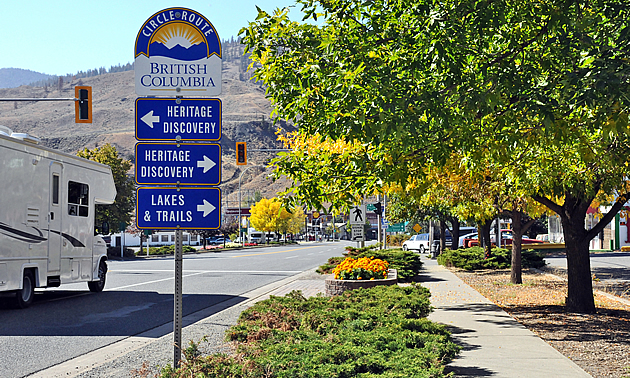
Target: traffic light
<point>83,104</point>
<point>241,153</point>
<point>378,208</point>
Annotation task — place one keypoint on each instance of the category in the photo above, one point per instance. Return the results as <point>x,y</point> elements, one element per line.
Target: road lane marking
<point>198,272</point>
<point>292,257</point>
<point>151,282</point>
<point>203,271</point>
<point>271,253</point>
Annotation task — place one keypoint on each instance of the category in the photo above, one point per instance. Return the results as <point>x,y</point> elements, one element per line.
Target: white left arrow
<point>206,164</point>
<point>150,119</point>
<point>207,208</point>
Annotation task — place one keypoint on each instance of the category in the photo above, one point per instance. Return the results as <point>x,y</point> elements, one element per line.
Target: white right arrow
<point>150,119</point>
<point>206,164</point>
<point>207,208</point>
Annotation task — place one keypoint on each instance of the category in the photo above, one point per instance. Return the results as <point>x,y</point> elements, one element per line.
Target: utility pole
<point>379,227</point>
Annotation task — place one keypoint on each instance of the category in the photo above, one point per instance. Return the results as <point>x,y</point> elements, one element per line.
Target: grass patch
<point>379,332</point>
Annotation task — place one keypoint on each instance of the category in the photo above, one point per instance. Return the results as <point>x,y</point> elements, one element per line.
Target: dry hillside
<point>245,118</point>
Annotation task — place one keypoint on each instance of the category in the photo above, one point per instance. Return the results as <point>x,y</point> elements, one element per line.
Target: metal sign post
<point>178,53</point>
<point>177,310</point>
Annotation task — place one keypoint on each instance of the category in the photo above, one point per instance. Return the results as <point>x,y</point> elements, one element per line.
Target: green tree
<point>121,210</point>
<point>540,88</point>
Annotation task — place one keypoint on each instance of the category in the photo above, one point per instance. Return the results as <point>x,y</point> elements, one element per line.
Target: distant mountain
<point>194,52</point>
<point>14,77</point>
<point>245,118</point>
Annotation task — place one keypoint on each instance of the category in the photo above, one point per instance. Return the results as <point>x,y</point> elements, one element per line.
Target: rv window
<point>164,238</point>
<point>78,195</point>
<point>55,190</point>
<point>155,238</point>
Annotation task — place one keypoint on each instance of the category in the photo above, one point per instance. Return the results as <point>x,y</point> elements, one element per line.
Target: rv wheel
<point>24,297</point>
<point>98,286</point>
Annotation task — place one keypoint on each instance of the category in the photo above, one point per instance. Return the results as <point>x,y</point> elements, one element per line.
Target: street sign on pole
<point>178,53</point>
<point>178,208</point>
<point>397,227</point>
<point>190,119</point>
<point>357,215</point>
<point>358,232</point>
<point>178,163</point>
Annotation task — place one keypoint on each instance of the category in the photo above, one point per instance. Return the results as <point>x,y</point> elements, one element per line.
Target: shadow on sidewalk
<point>459,337</point>
<point>468,371</point>
<point>426,277</point>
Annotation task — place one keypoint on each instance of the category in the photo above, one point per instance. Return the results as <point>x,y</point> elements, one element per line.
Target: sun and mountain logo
<point>178,52</point>
<point>178,40</point>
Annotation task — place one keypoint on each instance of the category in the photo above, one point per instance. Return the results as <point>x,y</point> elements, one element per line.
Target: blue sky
<point>58,37</point>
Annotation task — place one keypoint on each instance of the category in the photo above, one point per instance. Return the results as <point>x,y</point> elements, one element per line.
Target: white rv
<point>47,203</point>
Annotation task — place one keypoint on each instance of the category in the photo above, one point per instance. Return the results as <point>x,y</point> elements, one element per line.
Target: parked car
<point>419,242</point>
<point>543,237</point>
<point>220,240</point>
<point>472,240</point>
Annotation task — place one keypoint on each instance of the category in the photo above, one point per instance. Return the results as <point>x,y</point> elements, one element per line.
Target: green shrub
<point>330,265</point>
<point>532,259</point>
<point>407,263</point>
<point>379,332</point>
<point>474,259</point>
<point>166,250</point>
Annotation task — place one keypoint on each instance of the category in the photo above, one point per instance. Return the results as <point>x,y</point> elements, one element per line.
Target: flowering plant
<point>364,268</point>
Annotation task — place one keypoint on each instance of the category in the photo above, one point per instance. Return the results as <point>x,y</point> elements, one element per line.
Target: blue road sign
<point>170,164</point>
<point>183,208</point>
<point>193,119</point>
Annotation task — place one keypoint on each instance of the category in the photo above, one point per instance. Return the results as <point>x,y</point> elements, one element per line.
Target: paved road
<point>605,266</point>
<point>70,321</point>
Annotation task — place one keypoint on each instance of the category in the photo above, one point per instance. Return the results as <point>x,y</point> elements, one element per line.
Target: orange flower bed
<point>364,268</point>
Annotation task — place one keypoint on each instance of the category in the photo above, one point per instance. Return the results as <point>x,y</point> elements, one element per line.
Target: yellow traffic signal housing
<point>241,153</point>
<point>83,104</point>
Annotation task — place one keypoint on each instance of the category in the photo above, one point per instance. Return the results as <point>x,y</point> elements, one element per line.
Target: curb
<point>98,357</point>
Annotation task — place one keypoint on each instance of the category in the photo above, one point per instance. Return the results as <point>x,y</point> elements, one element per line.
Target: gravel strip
<point>598,343</point>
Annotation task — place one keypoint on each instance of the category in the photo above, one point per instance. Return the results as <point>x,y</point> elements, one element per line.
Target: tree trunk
<point>516,270</point>
<point>484,237</point>
<point>454,233</point>
<point>573,214</point>
<point>580,285</point>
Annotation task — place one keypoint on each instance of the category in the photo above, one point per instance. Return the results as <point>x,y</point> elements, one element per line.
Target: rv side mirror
<point>105,228</point>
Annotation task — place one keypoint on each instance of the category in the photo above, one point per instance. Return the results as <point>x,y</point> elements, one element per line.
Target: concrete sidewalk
<point>493,343</point>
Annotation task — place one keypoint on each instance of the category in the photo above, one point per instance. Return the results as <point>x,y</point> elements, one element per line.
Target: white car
<point>419,242</point>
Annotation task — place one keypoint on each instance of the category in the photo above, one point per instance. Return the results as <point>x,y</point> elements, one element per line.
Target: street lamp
<point>240,229</point>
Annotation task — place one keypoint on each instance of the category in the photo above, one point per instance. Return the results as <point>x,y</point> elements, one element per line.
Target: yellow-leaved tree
<point>269,215</point>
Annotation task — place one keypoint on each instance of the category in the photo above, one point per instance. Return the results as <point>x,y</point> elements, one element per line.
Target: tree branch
<point>608,217</point>
<point>549,203</point>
